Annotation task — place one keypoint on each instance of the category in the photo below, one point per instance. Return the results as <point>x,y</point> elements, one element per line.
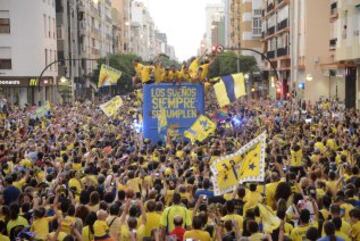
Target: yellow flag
<point>245,165</point>
<point>221,94</point>
<point>111,107</point>
<point>162,120</point>
<point>269,219</point>
<point>201,129</point>
<point>239,85</point>
<point>194,67</point>
<point>108,76</point>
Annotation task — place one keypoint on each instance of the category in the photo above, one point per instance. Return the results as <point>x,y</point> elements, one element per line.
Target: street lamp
<point>63,80</point>
<point>246,76</point>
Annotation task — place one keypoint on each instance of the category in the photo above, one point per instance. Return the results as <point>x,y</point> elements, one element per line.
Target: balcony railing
<point>283,24</point>
<point>282,52</point>
<point>332,43</point>
<point>271,54</point>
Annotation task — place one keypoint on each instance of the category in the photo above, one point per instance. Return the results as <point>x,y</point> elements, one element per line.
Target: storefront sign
<point>9,82</point>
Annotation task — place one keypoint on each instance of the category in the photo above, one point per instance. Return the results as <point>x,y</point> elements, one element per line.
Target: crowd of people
<point>76,174</point>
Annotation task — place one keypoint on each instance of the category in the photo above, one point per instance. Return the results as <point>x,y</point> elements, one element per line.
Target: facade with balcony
<point>347,53</point>
<point>275,32</point>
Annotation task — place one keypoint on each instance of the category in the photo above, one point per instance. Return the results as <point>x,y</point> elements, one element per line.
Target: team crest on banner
<point>201,129</point>
<point>108,76</point>
<point>245,165</point>
<point>111,107</point>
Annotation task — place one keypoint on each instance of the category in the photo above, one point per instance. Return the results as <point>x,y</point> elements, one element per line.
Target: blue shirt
<point>11,194</point>
<point>206,192</point>
<point>327,238</point>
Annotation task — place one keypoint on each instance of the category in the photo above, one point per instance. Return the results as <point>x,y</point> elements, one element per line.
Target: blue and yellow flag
<point>245,165</point>
<point>230,88</point>
<point>201,129</point>
<point>108,76</point>
<point>111,107</point>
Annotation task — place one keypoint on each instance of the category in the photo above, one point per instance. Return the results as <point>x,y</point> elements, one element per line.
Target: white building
<point>142,34</point>
<point>27,45</point>
<point>214,13</point>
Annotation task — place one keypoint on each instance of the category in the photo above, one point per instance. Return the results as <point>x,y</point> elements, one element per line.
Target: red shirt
<point>179,233</point>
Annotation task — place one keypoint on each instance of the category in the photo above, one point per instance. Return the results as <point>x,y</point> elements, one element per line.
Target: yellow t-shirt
<point>138,68</point>
<point>146,73</point>
<point>73,182</point>
<point>251,200</point>
<point>296,158</point>
<point>168,215</point>
<point>234,217</point>
<point>4,238</point>
<point>299,233</point>
<point>100,228</point>
<point>342,235</point>
<point>270,190</point>
<point>256,237</point>
<point>355,231</point>
<point>198,235</point>
<point>193,68</point>
<point>86,234</point>
<point>19,184</point>
<point>347,207</point>
<point>77,166</point>
<point>41,227</point>
<point>26,163</point>
<point>152,222</point>
<point>20,221</point>
<point>158,73</point>
<point>134,184</point>
<point>331,144</point>
<point>125,233</point>
<point>66,224</point>
<point>60,237</point>
<point>319,145</point>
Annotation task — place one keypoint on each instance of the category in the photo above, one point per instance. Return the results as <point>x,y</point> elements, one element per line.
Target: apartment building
<point>346,15</point>
<point>27,46</point>
<point>86,31</point>
<point>214,18</point>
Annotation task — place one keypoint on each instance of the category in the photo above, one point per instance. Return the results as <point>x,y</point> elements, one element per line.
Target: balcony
<point>332,43</point>
<point>270,7</point>
<point>282,52</point>
<point>271,30</point>
<point>271,54</point>
<point>283,24</point>
<point>334,11</point>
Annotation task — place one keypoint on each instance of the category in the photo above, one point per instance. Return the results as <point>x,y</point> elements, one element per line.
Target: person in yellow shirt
<point>194,67</point>
<point>152,219</point>
<point>138,69</point>
<point>101,228</point>
<point>15,218</point>
<point>74,182</point>
<point>319,145</point>
<point>3,237</point>
<point>355,224</point>
<point>132,228</point>
<point>158,73</point>
<point>270,189</point>
<point>296,156</point>
<point>176,209</point>
<point>299,232</point>
<point>335,212</point>
<point>146,73</point>
<point>196,233</point>
<point>338,223</point>
<point>252,197</point>
<point>255,235</point>
<point>231,215</point>
<point>88,229</point>
<point>40,225</point>
<point>134,183</point>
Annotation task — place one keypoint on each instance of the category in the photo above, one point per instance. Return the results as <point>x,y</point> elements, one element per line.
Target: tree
<point>226,63</point>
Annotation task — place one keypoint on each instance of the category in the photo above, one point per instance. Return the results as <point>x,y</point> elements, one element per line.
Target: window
<point>345,25</point>
<point>93,42</point>
<point>257,26</point>
<point>54,28</point>
<point>49,27</point>
<point>45,25</point>
<point>46,57</point>
<point>5,58</point>
<point>4,22</point>
<point>50,58</point>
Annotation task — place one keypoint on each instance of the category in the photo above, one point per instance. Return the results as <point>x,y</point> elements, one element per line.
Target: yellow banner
<point>239,85</point>
<point>221,94</point>
<point>201,129</point>
<point>245,165</point>
<point>108,76</point>
<point>111,107</point>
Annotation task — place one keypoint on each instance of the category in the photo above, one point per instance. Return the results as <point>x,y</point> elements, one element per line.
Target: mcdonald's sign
<point>33,82</point>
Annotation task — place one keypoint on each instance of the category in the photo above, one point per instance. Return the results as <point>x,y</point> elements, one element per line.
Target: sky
<point>183,21</point>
